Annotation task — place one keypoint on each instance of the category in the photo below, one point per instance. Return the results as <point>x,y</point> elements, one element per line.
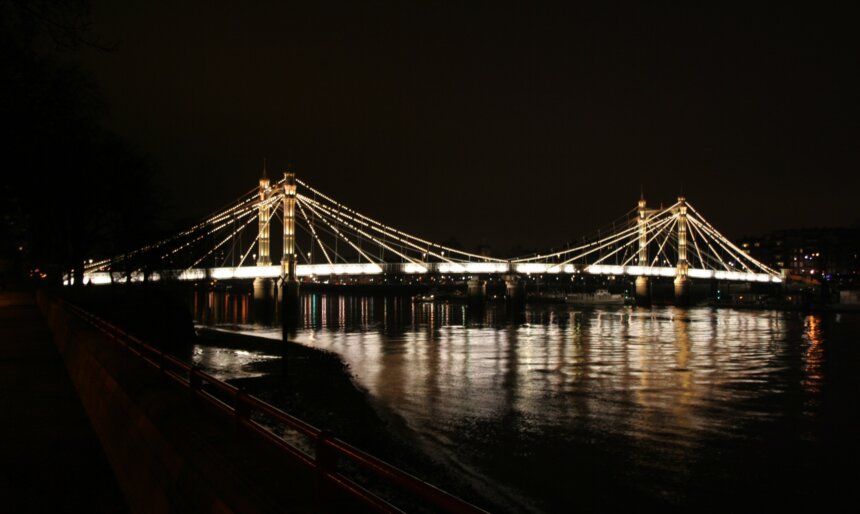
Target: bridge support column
<point>262,309</point>
<point>643,291</point>
<point>290,310</point>
<point>476,290</point>
<point>682,281</point>
<point>682,291</point>
<point>643,283</point>
<point>289,303</point>
<point>264,296</point>
<point>263,223</point>
<point>515,291</point>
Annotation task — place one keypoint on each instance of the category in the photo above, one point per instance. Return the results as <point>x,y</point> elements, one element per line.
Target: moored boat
<point>440,296</point>
<point>599,297</point>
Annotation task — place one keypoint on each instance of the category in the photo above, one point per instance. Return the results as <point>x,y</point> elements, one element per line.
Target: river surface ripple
<point>562,408</point>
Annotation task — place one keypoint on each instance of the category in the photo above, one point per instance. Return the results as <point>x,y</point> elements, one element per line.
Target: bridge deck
<point>419,268</point>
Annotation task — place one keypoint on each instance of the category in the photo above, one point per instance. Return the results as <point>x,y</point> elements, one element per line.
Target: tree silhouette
<point>72,189</point>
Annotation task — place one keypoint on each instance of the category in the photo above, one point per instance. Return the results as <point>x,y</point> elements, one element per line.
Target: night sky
<point>494,124</point>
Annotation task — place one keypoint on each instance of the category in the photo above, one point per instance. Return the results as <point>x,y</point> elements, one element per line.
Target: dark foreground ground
<point>310,384</point>
<point>50,457</point>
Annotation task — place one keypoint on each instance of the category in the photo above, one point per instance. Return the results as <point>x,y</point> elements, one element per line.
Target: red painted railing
<point>328,450</point>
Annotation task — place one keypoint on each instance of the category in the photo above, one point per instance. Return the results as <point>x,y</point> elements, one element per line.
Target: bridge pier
<point>289,303</point>
<point>643,291</point>
<point>515,291</point>
<point>264,297</point>
<point>476,291</point>
<point>682,291</point>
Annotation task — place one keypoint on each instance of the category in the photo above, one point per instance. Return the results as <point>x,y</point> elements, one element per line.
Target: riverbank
<point>311,384</point>
<point>318,387</point>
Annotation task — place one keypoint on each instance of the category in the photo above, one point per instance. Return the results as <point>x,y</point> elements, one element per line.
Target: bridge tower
<point>264,209</point>
<point>289,280</point>
<point>682,281</point>
<point>643,285</point>
<point>263,287</point>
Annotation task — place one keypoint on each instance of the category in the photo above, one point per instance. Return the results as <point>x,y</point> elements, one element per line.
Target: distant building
<point>825,254</point>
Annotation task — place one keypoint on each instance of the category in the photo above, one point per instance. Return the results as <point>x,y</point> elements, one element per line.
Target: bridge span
<point>469,268</point>
<point>322,237</point>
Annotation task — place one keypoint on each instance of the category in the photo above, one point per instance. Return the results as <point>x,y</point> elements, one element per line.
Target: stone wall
<point>169,453</point>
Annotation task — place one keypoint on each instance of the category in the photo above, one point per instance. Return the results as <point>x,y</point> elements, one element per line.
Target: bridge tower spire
<point>682,281</point>
<point>643,286</point>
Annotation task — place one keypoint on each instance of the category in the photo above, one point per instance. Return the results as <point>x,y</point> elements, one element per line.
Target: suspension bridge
<point>325,238</point>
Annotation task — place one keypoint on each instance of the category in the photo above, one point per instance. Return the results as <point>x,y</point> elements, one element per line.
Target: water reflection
<point>216,307</point>
<point>813,356</point>
<point>225,363</point>
<point>650,394</point>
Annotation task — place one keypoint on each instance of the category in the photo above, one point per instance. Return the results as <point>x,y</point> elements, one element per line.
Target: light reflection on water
<point>657,392</point>
<point>226,363</point>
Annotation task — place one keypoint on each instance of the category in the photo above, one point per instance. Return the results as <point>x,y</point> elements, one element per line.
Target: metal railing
<point>241,407</point>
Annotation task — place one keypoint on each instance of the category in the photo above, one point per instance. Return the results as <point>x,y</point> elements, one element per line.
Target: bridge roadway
<point>419,268</point>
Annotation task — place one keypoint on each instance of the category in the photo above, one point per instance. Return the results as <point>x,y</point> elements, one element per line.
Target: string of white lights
<point>740,260</point>
<point>274,199</point>
<point>313,232</point>
<point>656,234</point>
<point>633,228</point>
<point>714,255</point>
<point>223,241</point>
<point>323,245</point>
<point>609,241</point>
<point>543,257</point>
<point>632,240</point>
<point>339,233</point>
<point>206,233</point>
<point>325,222</point>
<point>342,219</point>
<point>665,240</point>
<point>673,243</point>
<point>696,246</point>
<point>726,241</point>
<point>331,229</point>
<point>393,230</point>
<point>245,201</point>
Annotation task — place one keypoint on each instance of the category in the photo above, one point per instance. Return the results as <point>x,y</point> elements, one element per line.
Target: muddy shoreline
<point>317,386</point>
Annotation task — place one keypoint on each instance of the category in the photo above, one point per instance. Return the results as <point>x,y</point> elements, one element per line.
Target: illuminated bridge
<point>323,238</point>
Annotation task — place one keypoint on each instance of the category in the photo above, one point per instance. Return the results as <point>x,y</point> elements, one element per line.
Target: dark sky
<point>508,125</point>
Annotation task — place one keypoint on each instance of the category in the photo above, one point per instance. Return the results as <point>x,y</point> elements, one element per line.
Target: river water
<point>560,408</point>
